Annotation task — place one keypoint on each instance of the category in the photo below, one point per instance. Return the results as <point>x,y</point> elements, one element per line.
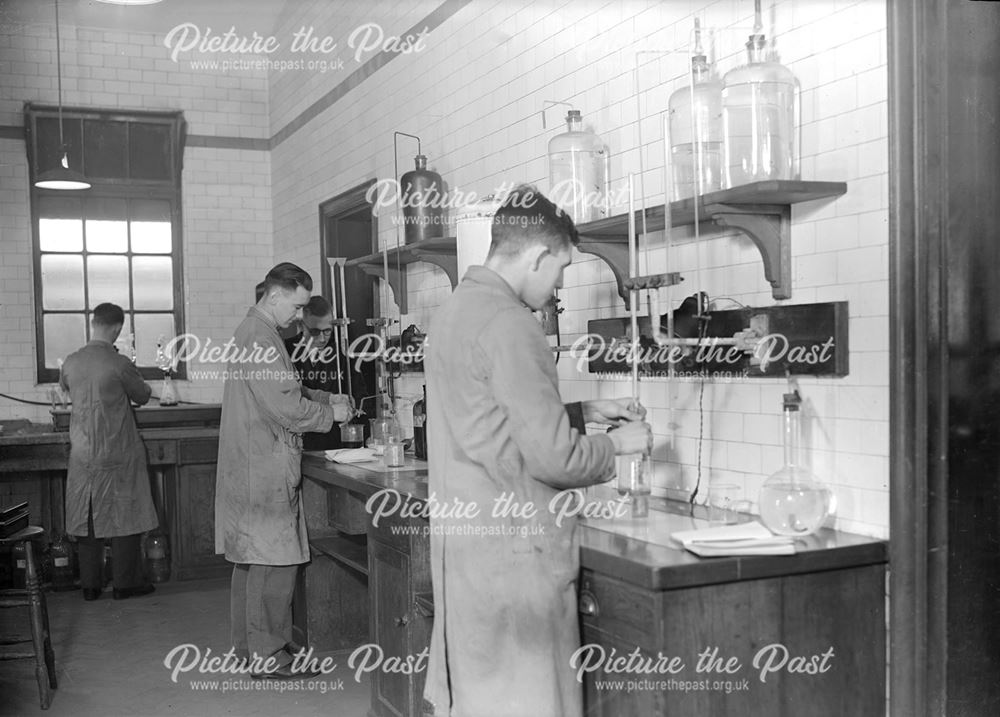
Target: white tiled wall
<point>226,192</point>
<point>474,97</point>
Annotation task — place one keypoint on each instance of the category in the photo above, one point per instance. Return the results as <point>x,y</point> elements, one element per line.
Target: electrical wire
<point>24,400</point>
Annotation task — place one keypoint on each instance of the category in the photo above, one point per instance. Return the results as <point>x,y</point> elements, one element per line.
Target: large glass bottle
<point>793,501</point>
<point>760,109</point>
<point>577,171</point>
<point>423,202</point>
<point>696,129</point>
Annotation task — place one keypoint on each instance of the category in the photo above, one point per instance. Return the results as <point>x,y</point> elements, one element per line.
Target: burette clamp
<point>652,281</point>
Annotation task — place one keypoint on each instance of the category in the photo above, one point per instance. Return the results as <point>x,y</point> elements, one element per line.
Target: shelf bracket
<point>769,228</point>
<point>444,260</point>
<point>397,281</point>
<point>615,256</point>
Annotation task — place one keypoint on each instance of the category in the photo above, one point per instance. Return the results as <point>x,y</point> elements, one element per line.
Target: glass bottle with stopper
<point>168,395</point>
<point>696,128</point>
<point>793,501</point>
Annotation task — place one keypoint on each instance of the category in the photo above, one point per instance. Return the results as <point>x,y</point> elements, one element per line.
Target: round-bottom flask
<point>793,501</point>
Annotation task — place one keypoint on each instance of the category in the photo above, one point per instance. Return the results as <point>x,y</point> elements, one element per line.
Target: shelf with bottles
<point>440,251</point>
<point>761,210</point>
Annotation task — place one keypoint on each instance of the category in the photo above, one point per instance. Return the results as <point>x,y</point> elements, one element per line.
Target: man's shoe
<point>133,592</point>
<point>91,594</point>
<point>284,672</point>
<point>293,648</point>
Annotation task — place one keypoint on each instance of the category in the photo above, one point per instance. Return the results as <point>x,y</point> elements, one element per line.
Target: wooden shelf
<point>342,548</point>
<point>440,252</point>
<point>761,210</point>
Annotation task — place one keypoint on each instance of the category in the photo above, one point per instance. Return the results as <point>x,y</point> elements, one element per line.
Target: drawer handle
<point>402,621</point>
<point>588,604</point>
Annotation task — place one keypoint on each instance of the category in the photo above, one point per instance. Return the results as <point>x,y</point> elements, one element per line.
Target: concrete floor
<point>110,661</point>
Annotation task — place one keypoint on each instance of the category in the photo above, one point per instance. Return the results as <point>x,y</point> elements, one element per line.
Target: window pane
<point>149,151</point>
<point>107,280</point>
<point>149,328</point>
<point>152,282</point>
<point>107,236</point>
<point>151,237</point>
<point>104,143</point>
<point>62,282</point>
<point>60,234</point>
<point>64,334</point>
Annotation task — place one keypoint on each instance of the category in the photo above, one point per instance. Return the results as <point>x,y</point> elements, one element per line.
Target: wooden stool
<point>34,599</point>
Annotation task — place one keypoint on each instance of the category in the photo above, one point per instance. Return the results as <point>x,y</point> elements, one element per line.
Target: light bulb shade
<point>62,178</point>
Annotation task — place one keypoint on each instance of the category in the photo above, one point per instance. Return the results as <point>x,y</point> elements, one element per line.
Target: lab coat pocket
<point>270,479</point>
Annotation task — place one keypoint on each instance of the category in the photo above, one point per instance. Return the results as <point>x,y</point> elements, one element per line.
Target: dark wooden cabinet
<point>808,615</point>
<point>401,614</point>
<point>190,501</point>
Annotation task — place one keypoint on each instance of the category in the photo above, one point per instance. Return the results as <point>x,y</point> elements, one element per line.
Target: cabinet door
<point>391,614</point>
<point>193,534</point>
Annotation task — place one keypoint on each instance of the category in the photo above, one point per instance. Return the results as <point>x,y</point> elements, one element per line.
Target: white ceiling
<point>248,16</point>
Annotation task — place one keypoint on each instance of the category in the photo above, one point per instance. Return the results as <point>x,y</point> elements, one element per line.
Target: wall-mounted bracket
<point>761,210</point>
<point>440,252</point>
<point>768,226</point>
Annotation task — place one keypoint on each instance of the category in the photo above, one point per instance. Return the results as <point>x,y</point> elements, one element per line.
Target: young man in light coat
<point>259,522</point>
<point>501,440</point>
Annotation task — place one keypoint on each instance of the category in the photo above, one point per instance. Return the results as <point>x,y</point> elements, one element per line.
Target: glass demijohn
<point>760,109</point>
<point>578,171</point>
<point>696,129</point>
<point>793,501</point>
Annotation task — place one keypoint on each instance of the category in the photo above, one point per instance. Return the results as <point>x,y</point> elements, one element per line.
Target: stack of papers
<point>744,539</point>
<point>351,455</point>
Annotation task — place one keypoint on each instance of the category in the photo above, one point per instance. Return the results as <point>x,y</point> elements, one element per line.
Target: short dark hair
<point>258,291</point>
<point>317,306</point>
<point>107,314</point>
<point>289,277</point>
<point>527,218</point>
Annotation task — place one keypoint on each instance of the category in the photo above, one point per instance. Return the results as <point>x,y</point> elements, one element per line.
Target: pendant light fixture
<point>61,177</point>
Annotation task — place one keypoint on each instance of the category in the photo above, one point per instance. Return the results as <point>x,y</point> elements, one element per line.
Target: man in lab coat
<point>316,357</point>
<point>505,616</point>
<point>107,482</point>
<point>259,522</point>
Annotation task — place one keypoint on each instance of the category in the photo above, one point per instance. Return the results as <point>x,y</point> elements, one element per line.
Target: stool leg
<point>50,655</point>
<point>35,608</point>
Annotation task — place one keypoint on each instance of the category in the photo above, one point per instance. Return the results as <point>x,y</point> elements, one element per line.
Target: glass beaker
<point>352,435</point>
<point>635,472</point>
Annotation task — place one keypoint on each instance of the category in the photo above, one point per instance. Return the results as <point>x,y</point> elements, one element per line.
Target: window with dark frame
<point>119,241</point>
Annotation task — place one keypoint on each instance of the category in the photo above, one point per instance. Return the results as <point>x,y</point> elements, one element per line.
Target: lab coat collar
<point>271,323</point>
<point>487,277</point>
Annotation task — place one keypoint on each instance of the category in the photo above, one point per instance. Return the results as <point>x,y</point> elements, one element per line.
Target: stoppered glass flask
<point>793,501</point>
